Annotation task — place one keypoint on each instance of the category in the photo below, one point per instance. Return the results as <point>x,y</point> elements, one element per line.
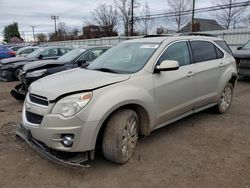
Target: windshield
<point>246,46</point>
<point>35,53</point>
<point>70,56</point>
<point>124,58</point>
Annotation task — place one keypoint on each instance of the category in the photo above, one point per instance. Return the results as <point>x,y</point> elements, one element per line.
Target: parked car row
<point>11,67</point>
<point>130,90</point>
<point>37,69</point>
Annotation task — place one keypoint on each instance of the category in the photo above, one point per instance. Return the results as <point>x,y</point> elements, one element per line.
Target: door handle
<point>190,74</point>
<point>221,65</point>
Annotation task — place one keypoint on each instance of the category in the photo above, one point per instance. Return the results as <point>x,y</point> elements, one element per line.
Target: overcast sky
<point>73,13</point>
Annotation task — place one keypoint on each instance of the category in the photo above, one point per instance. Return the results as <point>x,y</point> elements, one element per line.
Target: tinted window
<point>50,53</point>
<point>27,51</point>
<point>177,52</point>
<point>224,45</point>
<point>64,50</point>
<point>219,53</point>
<point>203,51</point>
<point>92,55</point>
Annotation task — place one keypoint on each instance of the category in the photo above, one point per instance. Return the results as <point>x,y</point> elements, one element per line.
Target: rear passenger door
<point>208,68</point>
<point>174,90</point>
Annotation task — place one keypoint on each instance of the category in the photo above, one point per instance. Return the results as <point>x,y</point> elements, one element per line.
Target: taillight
<point>11,53</point>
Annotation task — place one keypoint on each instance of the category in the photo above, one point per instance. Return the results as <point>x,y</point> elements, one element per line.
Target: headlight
<point>72,104</point>
<point>36,73</point>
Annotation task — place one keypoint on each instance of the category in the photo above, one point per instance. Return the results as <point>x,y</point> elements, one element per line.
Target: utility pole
<point>33,31</point>
<point>55,18</point>
<point>192,25</point>
<point>132,18</point>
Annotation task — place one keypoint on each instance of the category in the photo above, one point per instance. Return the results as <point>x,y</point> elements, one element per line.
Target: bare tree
<point>228,17</point>
<point>125,10</point>
<point>146,23</point>
<point>41,37</point>
<point>178,7</point>
<point>106,17</point>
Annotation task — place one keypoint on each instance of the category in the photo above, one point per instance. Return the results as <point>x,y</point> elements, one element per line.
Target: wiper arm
<point>105,70</point>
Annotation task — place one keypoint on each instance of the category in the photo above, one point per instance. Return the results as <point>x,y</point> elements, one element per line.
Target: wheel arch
<point>144,120</point>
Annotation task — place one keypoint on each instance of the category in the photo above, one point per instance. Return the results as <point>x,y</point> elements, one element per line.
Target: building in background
<point>202,25</point>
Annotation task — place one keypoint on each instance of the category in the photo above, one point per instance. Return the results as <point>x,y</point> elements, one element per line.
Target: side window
<point>219,53</point>
<point>63,50</point>
<point>92,55</point>
<point>178,52</point>
<point>224,45</point>
<point>203,51</point>
<point>27,51</point>
<point>50,53</point>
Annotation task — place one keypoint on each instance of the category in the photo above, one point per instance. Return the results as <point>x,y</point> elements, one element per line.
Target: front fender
<point>108,99</point>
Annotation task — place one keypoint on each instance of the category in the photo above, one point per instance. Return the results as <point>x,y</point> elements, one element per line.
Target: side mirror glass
<point>167,65</point>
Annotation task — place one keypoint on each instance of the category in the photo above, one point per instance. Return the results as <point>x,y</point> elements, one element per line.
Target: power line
<point>199,10</point>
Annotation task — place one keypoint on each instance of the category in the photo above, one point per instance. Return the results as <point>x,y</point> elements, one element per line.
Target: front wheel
<point>226,99</point>
<point>120,136</point>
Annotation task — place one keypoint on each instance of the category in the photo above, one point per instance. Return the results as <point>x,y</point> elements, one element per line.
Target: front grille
<point>34,118</point>
<point>38,100</point>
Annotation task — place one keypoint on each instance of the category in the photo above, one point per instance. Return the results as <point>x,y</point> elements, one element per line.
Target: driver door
<point>174,90</point>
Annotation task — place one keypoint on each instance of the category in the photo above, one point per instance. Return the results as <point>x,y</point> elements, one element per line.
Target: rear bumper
<point>243,71</point>
<point>62,158</point>
<point>6,75</point>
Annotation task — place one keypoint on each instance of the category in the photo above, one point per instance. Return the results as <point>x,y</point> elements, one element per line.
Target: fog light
<point>67,140</point>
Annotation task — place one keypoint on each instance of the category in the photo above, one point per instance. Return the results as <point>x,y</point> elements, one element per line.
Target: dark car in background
<point>10,68</point>
<point>242,55</point>
<point>35,70</point>
<point>26,50</point>
<point>5,52</point>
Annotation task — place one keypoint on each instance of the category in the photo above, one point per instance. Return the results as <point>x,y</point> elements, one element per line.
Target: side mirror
<point>40,56</point>
<point>81,62</point>
<point>167,65</point>
<point>239,48</point>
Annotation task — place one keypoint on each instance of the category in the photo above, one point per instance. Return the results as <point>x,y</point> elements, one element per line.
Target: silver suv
<point>136,87</point>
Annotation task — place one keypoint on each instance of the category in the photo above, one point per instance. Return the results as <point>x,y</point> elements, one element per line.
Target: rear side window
<point>203,51</point>
<point>225,47</point>
<point>177,52</point>
<point>219,53</point>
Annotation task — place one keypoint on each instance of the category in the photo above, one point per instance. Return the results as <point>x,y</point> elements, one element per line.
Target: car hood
<point>40,64</point>
<point>74,80</point>
<point>242,54</point>
<point>16,59</point>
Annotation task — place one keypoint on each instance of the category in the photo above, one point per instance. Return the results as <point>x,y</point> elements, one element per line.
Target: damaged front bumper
<point>6,75</point>
<point>59,157</point>
<point>19,92</point>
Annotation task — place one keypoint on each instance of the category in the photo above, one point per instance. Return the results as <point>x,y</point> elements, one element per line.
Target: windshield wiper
<point>105,70</point>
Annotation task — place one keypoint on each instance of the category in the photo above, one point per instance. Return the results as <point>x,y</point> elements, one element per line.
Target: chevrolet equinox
<point>134,88</point>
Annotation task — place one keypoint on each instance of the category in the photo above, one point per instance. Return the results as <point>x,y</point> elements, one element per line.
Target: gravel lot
<point>204,150</point>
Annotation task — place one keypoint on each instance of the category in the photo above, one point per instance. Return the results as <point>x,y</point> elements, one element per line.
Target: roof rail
<point>163,35</point>
<point>197,34</point>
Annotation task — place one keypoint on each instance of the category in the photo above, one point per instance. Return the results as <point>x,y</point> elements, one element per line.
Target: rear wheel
<point>226,99</point>
<point>120,136</point>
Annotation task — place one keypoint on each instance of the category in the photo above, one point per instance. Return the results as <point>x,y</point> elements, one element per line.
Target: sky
<point>74,13</point>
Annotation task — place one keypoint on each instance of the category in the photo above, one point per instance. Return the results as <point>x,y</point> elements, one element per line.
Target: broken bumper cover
<point>62,158</point>
<point>19,92</point>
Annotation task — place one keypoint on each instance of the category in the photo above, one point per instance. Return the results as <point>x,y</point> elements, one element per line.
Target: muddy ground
<point>204,150</point>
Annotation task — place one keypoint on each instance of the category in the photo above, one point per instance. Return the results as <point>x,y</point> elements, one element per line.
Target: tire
<point>225,100</point>
<point>120,136</point>
<point>16,73</point>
